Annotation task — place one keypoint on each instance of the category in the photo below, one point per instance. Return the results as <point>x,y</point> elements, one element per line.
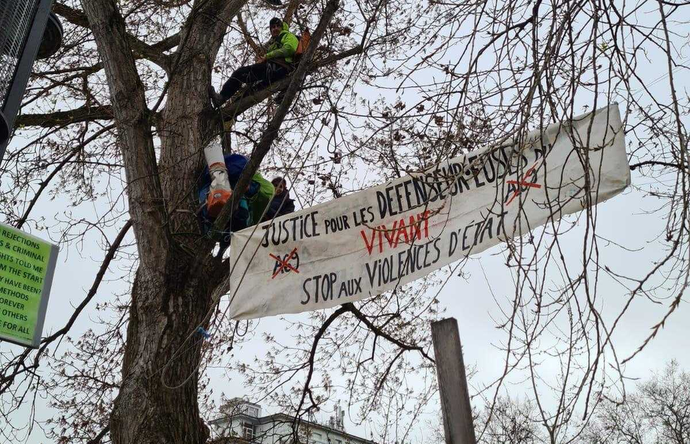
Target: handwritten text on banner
<point>374,240</point>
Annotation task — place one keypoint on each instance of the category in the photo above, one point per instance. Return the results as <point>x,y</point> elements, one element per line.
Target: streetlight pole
<point>28,30</point>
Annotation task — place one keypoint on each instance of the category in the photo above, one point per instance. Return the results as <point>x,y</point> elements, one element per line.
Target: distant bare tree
<point>657,412</point>
<point>510,423</point>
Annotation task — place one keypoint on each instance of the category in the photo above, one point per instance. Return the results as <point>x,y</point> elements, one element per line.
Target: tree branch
<point>97,439</point>
<point>167,43</point>
<point>110,255</point>
<point>145,51</point>
<point>377,331</point>
<point>46,181</point>
<point>82,114</point>
<point>141,49</point>
<point>312,354</point>
<point>635,166</point>
<point>258,50</point>
<point>290,11</point>
<point>73,16</point>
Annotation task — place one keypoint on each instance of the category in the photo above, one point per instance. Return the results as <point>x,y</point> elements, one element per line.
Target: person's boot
<point>216,98</point>
<point>220,191</point>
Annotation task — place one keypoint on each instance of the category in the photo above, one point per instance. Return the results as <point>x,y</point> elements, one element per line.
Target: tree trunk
<point>171,296</point>
<point>163,351</point>
<point>158,398</point>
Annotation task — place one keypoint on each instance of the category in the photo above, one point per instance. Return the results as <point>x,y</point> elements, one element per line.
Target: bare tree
<point>511,423</point>
<point>111,69</point>
<point>657,411</point>
<point>389,87</point>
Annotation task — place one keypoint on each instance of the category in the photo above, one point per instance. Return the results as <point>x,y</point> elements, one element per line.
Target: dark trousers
<point>258,75</point>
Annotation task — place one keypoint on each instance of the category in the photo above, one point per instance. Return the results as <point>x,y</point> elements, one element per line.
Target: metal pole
<point>452,383</point>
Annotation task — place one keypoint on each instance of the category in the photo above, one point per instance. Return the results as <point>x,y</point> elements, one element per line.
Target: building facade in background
<point>241,422</point>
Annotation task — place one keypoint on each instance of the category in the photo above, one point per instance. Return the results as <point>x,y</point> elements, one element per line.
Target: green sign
<point>27,264</point>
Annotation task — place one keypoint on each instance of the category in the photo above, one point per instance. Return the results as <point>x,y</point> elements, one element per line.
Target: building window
<point>248,431</point>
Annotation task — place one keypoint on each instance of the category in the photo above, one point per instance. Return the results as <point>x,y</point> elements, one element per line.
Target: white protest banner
<point>372,241</point>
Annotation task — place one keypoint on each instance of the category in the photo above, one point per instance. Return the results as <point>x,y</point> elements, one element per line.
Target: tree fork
<point>135,138</point>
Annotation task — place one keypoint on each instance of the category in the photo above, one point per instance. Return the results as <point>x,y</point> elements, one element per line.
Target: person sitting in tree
<point>275,65</point>
<point>282,203</point>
